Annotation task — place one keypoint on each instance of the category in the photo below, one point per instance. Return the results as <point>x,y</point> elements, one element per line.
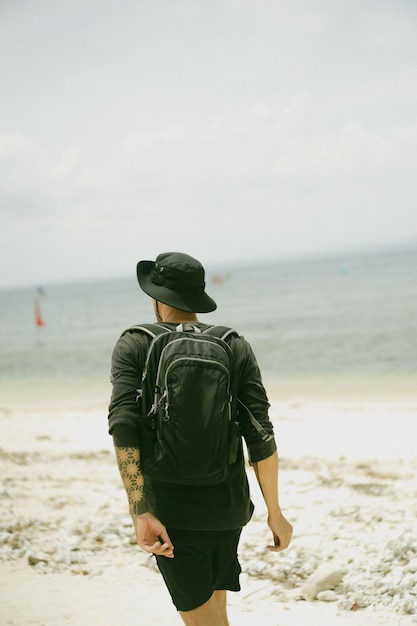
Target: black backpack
<point>188,427</point>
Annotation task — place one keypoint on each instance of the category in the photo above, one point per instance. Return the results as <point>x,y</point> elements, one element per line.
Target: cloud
<point>263,154</point>
<point>286,146</point>
<point>242,129</point>
<point>35,180</point>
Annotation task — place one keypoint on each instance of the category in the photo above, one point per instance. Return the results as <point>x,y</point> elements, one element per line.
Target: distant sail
<point>38,316</point>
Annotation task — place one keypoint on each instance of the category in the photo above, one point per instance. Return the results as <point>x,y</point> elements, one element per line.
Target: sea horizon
<point>327,325</point>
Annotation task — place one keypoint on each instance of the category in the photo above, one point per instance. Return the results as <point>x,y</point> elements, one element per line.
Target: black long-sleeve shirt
<point>223,506</point>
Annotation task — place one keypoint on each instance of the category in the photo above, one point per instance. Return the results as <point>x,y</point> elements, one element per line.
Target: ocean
<point>330,325</point>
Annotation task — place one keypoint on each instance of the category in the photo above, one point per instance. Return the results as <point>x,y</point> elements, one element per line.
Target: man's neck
<point>180,319</point>
<point>165,313</point>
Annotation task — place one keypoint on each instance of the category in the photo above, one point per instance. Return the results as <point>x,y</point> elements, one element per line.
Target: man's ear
<point>156,309</point>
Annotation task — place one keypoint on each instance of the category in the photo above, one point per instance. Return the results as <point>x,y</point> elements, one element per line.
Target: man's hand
<point>282,532</point>
<point>152,536</point>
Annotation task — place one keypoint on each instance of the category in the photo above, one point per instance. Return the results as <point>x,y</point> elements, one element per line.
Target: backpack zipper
<point>186,358</point>
<point>157,402</point>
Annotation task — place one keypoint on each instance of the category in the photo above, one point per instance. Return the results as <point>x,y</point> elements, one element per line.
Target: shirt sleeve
<point>251,393</point>
<point>126,374</point>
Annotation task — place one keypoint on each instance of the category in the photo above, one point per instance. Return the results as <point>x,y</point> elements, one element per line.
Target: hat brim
<point>192,303</point>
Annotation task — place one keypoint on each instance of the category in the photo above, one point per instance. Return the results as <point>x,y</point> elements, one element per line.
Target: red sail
<point>38,317</point>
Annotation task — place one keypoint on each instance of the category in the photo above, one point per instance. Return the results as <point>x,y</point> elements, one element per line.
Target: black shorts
<point>204,561</point>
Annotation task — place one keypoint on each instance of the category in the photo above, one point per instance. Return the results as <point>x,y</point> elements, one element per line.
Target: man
<point>192,530</point>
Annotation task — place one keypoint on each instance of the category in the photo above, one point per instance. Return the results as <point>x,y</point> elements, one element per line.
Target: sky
<point>233,130</point>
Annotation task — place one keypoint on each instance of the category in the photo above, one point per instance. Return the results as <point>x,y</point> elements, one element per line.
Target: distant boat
<point>38,316</point>
<point>218,279</point>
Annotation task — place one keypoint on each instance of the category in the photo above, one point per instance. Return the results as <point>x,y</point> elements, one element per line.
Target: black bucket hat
<point>176,279</point>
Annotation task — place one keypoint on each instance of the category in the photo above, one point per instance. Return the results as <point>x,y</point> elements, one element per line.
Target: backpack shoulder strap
<point>221,332</point>
<point>152,330</point>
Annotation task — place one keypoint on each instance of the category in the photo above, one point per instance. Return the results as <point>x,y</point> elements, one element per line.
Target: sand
<point>347,483</point>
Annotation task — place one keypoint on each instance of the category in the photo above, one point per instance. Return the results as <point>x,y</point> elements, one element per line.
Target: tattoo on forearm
<point>128,460</point>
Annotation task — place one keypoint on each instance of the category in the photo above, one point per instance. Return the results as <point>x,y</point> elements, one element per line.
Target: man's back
<point>223,506</point>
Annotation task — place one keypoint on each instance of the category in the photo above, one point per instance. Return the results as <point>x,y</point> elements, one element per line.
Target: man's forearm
<point>128,460</point>
<point>267,474</point>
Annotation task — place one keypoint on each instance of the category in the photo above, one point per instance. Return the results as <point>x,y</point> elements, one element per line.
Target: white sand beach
<point>348,483</point>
